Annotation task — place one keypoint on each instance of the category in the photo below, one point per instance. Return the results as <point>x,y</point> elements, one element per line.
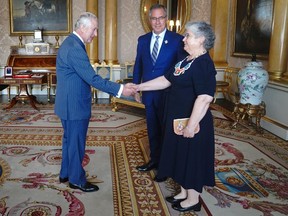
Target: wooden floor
<point>225,103</point>
<point>43,99</point>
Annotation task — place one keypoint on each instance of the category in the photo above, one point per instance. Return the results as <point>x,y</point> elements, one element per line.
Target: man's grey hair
<point>200,29</point>
<point>84,19</point>
<point>157,6</point>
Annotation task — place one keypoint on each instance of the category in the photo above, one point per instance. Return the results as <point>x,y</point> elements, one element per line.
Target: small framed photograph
<point>8,72</point>
<point>38,35</point>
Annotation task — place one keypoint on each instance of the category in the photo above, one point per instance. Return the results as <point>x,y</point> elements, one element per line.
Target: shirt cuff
<point>120,91</point>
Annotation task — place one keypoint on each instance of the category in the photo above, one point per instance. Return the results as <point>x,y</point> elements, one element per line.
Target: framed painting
<point>252,26</point>
<point>53,17</point>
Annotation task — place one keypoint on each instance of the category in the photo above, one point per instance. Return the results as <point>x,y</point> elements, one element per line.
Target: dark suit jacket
<point>144,70</point>
<point>75,76</point>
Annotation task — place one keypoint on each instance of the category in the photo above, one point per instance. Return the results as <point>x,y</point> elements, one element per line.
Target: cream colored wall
<point>6,40</point>
<point>129,28</point>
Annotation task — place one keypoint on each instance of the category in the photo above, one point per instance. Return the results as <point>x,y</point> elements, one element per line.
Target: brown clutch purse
<point>180,124</point>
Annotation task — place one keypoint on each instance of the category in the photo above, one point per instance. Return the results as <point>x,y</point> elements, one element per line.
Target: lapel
<point>147,46</point>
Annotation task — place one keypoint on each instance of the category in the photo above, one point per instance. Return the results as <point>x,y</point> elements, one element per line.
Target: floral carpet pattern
<point>30,157</point>
<point>251,168</point>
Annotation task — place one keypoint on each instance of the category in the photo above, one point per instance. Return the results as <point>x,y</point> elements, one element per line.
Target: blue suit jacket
<point>144,70</point>
<point>75,76</point>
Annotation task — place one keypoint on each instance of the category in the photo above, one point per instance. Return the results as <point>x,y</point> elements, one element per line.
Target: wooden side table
<point>39,63</point>
<point>23,94</point>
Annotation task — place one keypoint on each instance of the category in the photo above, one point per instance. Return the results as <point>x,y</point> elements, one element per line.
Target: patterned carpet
<point>251,168</point>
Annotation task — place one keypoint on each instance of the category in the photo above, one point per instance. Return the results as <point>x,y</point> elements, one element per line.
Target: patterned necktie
<point>155,50</point>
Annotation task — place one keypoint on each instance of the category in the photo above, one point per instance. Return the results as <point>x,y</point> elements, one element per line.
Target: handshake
<point>131,89</point>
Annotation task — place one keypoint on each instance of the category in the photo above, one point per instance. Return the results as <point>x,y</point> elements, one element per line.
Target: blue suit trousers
<point>154,129</point>
<point>73,150</point>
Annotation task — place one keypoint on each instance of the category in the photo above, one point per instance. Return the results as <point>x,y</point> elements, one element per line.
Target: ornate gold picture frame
<point>51,16</point>
<point>252,26</point>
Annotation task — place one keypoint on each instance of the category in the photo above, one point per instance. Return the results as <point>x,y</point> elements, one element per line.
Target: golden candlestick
<point>57,41</point>
<point>20,41</point>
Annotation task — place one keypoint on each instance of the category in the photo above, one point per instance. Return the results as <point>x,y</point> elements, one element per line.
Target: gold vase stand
<point>242,111</point>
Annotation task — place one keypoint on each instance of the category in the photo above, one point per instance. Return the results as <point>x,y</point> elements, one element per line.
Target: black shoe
<point>157,179</point>
<point>177,206</point>
<point>172,200</point>
<point>63,180</point>
<point>147,167</point>
<point>87,187</point>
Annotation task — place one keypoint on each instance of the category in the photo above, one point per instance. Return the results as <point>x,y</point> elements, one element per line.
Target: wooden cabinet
<point>37,63</point>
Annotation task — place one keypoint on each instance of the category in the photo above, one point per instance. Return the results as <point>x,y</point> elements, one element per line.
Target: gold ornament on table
<point>57,41</point>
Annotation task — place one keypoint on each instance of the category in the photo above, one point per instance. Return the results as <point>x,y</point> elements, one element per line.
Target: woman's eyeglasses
<point>186,35</point>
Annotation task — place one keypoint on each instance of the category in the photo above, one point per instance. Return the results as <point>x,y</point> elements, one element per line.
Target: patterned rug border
<point>49,106</point>
<point>102,106</point>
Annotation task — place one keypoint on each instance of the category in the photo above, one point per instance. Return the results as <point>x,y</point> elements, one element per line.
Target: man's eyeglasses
<point>154,19</point>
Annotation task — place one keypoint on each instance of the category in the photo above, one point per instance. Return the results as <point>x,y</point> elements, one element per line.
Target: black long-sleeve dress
<point>189,161</point>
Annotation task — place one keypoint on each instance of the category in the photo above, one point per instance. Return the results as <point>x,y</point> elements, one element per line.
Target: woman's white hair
<point>204,29</point>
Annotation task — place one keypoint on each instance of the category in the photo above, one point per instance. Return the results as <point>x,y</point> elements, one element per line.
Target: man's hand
<point>129,89</point>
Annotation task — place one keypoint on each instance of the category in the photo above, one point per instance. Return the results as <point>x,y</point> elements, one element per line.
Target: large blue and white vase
<point>252,82</point>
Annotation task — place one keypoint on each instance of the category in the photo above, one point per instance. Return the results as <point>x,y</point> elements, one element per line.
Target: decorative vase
<point>252,82</point>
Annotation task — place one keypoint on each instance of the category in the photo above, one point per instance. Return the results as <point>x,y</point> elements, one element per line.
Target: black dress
<point>189,161</point>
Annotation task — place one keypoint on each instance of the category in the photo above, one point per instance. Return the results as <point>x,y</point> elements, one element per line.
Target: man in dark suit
<point>153,61</point>
<point>75,76</point>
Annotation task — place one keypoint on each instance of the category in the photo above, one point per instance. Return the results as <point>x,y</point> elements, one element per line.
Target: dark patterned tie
<point>155,50</point>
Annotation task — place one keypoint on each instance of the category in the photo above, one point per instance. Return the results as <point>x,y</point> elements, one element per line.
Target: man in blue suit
<point>75,76</point>
<point>153,61</point>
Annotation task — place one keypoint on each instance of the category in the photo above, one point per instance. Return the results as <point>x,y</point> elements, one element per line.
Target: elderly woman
<point>188,156</point>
